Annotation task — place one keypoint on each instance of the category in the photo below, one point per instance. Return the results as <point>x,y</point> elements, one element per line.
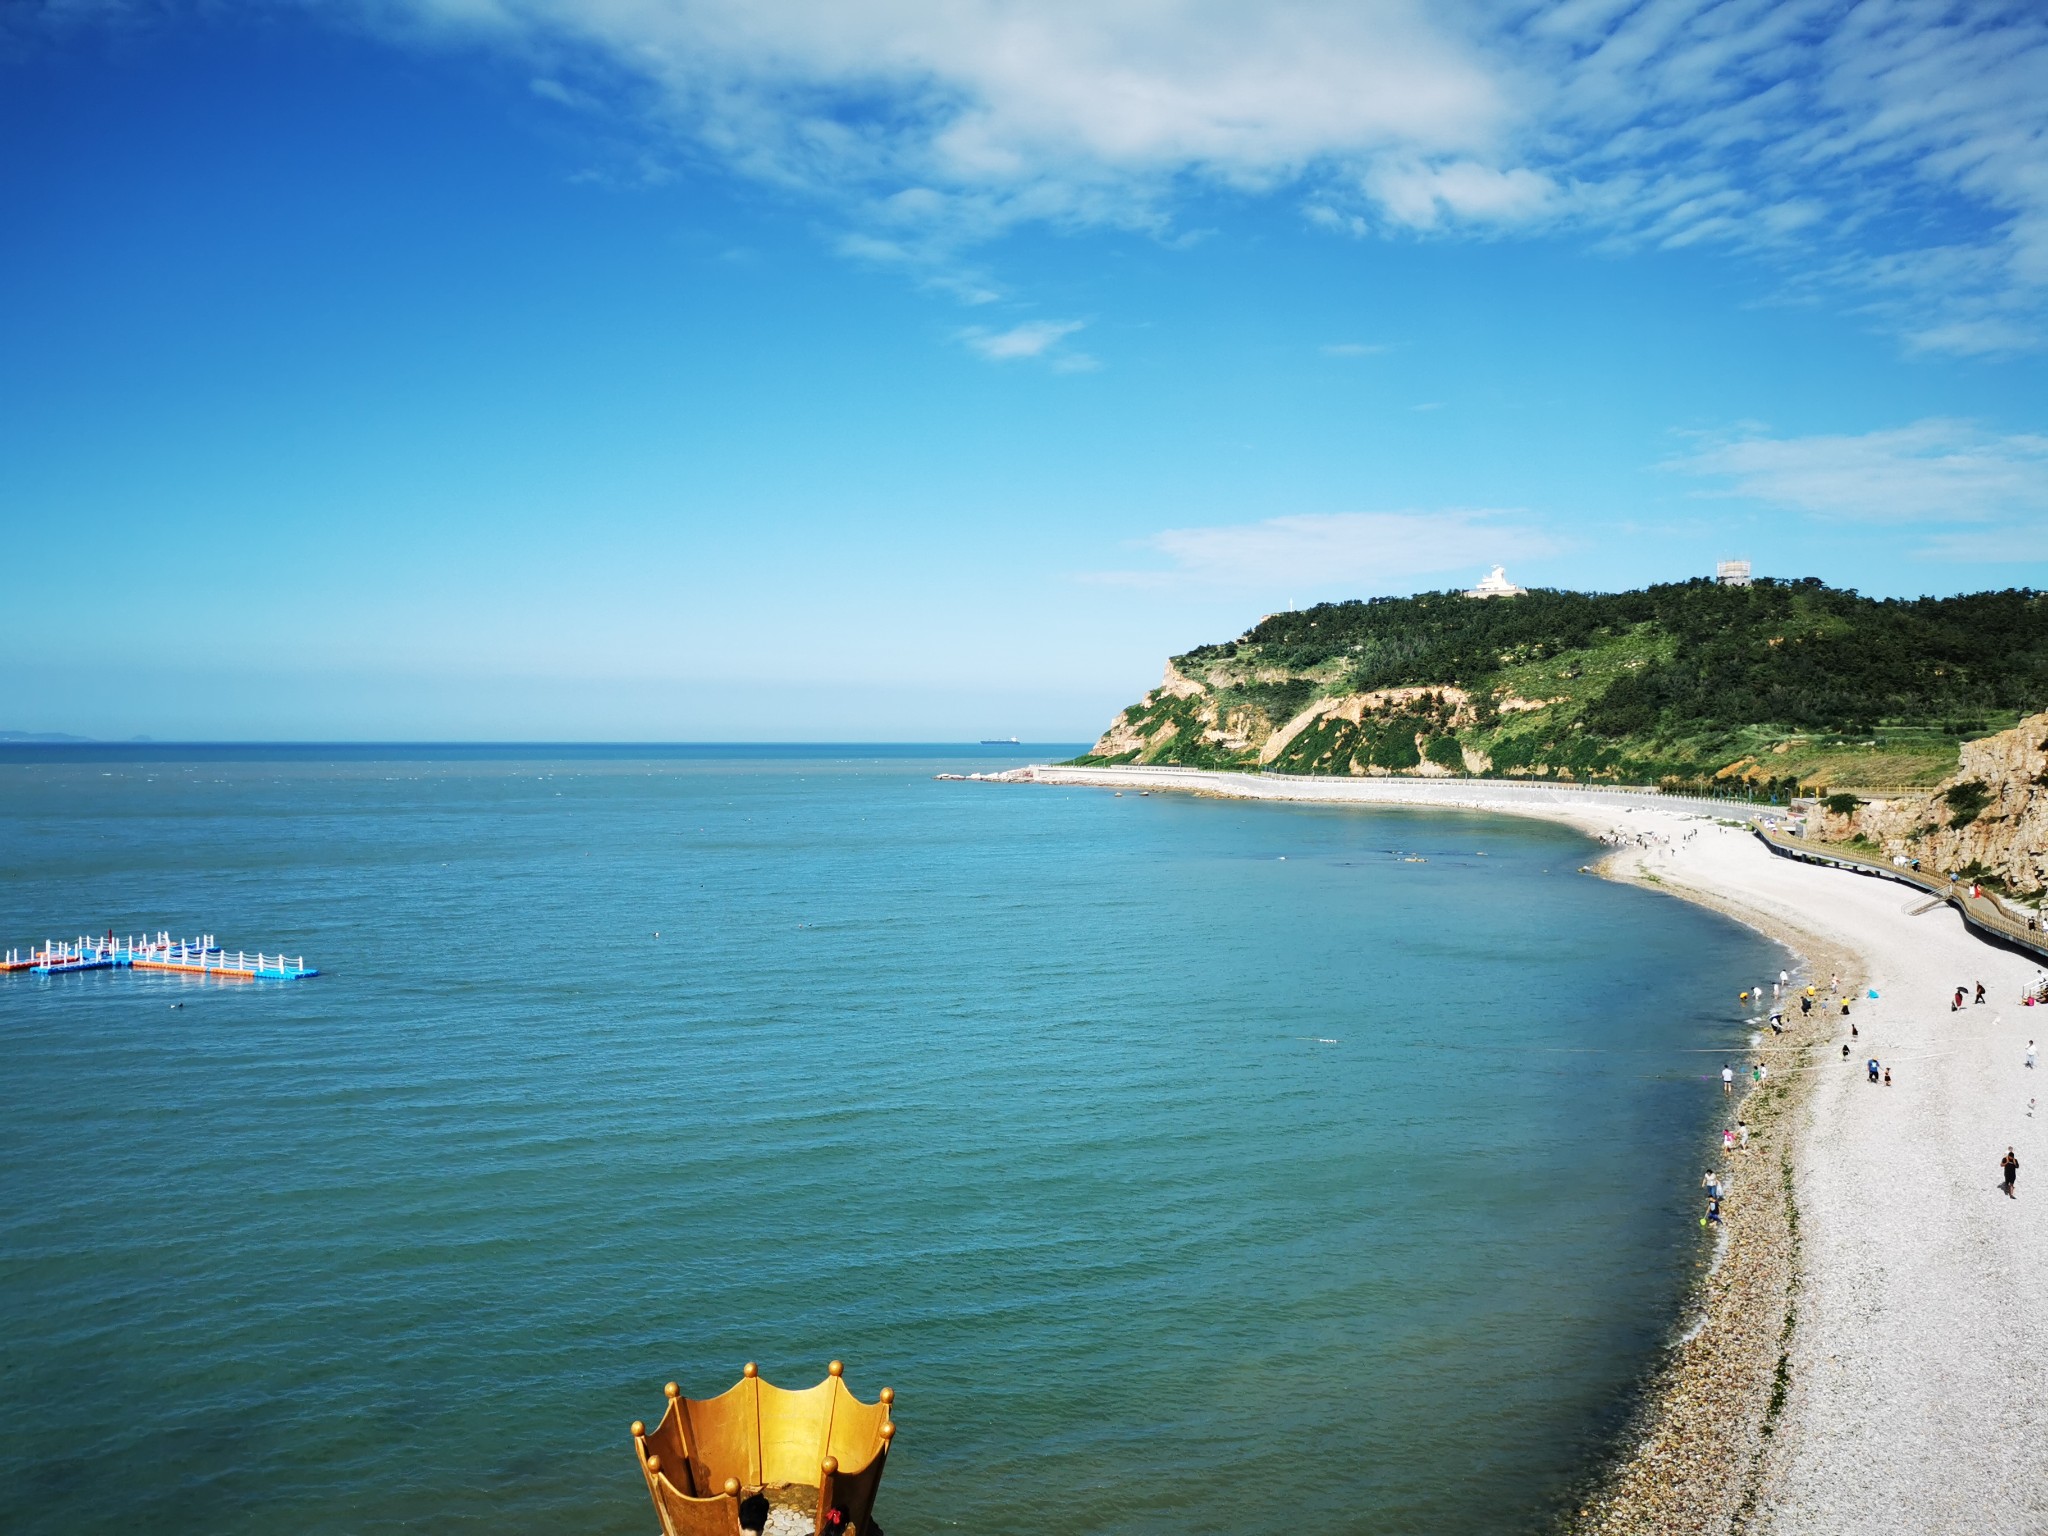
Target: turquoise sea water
<point>1183,1164</point>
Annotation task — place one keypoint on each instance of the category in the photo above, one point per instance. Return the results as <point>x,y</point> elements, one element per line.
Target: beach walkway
<point>1991,918</point>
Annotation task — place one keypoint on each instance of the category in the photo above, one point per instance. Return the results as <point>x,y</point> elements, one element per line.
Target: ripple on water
<point>1001,1096</point>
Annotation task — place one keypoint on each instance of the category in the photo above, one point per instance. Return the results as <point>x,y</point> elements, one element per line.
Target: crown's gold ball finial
<point>835,1369</point>
<point>654,1463</point>
<point>673,1390</point>
<point>831,1464</point>
<point>750,1369</point>
<point>732,1487</point>
<point>888,1394</point>
<point>888,1431</point>
<point>639,1429</point>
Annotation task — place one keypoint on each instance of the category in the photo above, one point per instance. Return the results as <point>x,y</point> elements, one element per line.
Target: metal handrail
<point>1983,913</point>
<point>160,952</point>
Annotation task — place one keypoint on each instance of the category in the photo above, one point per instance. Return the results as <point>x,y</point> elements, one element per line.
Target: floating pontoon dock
<point>189,957</point>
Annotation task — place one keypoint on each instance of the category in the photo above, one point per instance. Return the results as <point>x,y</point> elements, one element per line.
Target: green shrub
<point>1966,801</point>
<point>1445,752</point>
<point>1393,745</point>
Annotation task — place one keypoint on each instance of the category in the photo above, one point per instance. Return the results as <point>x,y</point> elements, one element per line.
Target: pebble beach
<point>1868,1348</point>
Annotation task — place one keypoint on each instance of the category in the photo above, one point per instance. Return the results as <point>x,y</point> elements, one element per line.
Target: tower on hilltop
<point>1732,573</point>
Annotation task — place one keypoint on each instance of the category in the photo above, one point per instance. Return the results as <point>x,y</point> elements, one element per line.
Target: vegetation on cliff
<point>1777,684</point>
<point>1987,822</point>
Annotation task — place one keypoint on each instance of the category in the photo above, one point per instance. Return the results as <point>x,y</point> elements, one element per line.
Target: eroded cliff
<point>1987,821</point>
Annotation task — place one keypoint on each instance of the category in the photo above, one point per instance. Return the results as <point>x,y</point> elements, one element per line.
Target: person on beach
<point>2011,1164</point>
<point>1712,1184</point>
<point>1727,1141</point>
<point>1742,1131</point>
<point>1852,1029</point>
<point>1873,1069</point>
<point>1980,994</point>
<point>1714,1212</point>
<point>1887,1077</point>
<point>1784,978</point>
<point>1845,1007</point>
<point>1955,1003</point>
<point>2030,1055</point>
<point>1805,1006</point>
<point>1845,1050</point>
<point>1727,1078</point>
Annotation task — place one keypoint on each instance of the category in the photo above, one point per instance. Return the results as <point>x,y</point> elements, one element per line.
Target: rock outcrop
<point>1988,820</point>
<point>1199,723</point>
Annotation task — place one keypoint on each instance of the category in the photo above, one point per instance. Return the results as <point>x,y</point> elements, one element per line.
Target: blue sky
<point>525,369</point>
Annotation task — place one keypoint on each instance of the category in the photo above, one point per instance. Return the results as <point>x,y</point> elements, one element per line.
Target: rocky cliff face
<point>1989,819</point>
<point>1278,721</point>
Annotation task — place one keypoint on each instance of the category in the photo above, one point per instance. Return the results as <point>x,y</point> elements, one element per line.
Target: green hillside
<point>1779,683</point>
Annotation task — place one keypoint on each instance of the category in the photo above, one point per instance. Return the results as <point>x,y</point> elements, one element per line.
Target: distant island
<point>1780,686</point>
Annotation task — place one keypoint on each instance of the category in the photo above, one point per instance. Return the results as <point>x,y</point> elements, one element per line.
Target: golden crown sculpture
<point>761,1445</point>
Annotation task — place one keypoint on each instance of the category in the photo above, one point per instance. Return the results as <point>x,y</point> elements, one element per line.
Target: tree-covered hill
<point>1780,682</point>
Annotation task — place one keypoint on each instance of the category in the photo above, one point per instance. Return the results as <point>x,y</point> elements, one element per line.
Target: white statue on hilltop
<point>1496,584</point>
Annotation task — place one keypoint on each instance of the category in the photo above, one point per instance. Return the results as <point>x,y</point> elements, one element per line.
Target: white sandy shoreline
<point>1917,1388</point>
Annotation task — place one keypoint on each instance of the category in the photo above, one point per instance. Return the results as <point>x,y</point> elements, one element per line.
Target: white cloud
<point>1982,336</point>
<point>1034,338</point>
<point>1355,349</point>
<point>1933,470</point>
<point>1353,551</point>
<point>1988,546</point>
<point>1889,148</point>
<point>1422,196</point>
<point>555,91</point>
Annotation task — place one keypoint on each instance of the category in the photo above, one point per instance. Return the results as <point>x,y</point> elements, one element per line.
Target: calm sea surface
<point>1184,1165</point>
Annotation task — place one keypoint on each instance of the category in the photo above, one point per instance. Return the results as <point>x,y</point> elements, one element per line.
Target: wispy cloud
<point>560,94</point>
<point>1353,551</point>
<point>1422,195</point>
<point>1931,471</point>
<point>1989,546</point>
<point>1889,152</point>
<point>1034,338</point>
